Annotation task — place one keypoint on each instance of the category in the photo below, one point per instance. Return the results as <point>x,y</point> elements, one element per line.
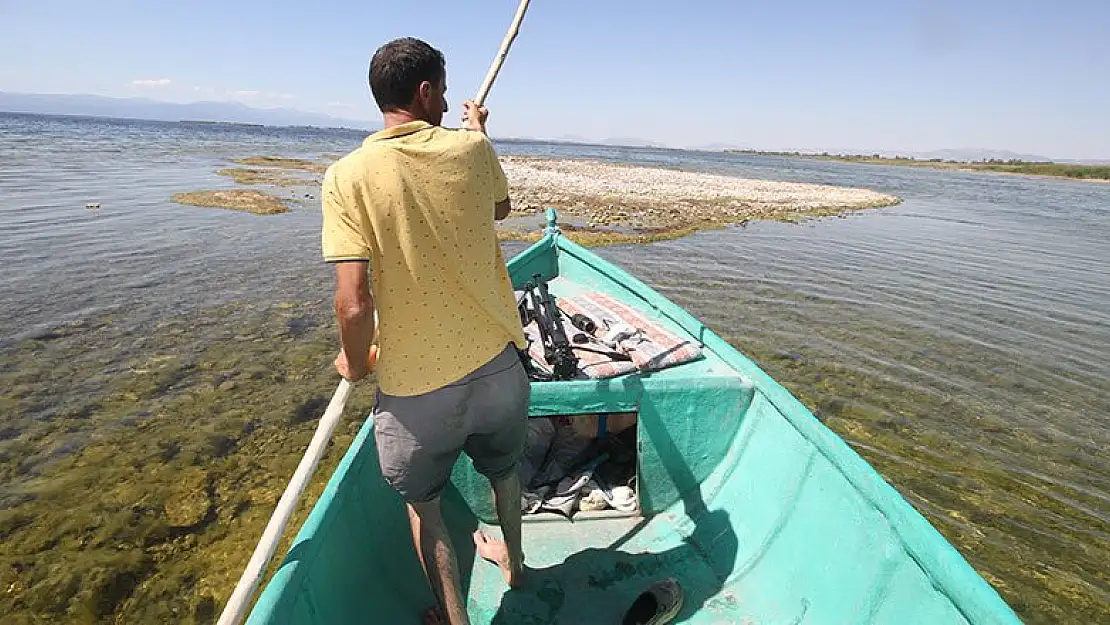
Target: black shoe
<point>659,604</point>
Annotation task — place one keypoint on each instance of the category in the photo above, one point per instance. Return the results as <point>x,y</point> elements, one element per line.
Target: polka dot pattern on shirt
<point>418,201</point>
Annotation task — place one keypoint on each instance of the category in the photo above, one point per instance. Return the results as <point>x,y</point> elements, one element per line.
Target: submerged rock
<point>190,502</point>
<point>254,202</point>
<point>283,163</point>
<point>278,177</point>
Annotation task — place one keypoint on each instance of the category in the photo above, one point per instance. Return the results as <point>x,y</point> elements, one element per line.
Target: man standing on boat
<point>409,216</point>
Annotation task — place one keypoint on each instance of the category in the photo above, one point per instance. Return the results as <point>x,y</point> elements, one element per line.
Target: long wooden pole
<point>510,36</point>
<point>240,600</point>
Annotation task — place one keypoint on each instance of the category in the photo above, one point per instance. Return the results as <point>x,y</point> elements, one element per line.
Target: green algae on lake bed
<point>277,177</point>
<point>138,495</point>
<point>598,237</point>
<point>282,162</point>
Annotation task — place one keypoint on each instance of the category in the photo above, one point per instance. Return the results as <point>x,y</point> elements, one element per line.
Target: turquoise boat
<point>762,514</point>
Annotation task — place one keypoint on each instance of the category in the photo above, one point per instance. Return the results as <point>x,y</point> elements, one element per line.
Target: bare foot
<point>497,552</point>
<point>434,616</point>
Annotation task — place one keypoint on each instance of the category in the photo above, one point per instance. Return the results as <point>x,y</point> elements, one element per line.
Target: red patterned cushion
<point>656,347</point>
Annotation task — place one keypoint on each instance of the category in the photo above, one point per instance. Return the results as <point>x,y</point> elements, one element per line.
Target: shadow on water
<point>597,585</point>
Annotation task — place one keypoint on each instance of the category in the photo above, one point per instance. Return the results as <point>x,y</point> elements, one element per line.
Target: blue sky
<point>808,74</point>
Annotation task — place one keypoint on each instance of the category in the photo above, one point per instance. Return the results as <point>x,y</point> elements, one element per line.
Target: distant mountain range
<point>143,108</point>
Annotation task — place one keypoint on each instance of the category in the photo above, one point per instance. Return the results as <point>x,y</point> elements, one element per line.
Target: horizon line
<point>367,124</point>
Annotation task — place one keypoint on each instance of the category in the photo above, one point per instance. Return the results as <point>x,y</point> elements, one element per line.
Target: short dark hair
<point>398,68</point>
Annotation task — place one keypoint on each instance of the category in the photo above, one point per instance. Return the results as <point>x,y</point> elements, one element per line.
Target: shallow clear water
<point>959,340</point>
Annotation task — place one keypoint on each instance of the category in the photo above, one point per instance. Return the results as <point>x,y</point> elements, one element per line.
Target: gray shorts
<point>484,414</point>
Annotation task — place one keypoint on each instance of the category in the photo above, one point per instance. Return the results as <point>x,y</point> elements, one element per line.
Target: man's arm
<point>354,310</point>
<point>474,118</point>
<point>345,240</point>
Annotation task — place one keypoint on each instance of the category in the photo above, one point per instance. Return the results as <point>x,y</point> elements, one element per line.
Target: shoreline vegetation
<point>1076,171</point>
<point>600,203</point>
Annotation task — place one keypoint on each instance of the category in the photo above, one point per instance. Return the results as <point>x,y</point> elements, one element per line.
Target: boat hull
<point>762,513</point>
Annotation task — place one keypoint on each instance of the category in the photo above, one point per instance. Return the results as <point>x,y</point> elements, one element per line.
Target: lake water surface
<point>959,341</point>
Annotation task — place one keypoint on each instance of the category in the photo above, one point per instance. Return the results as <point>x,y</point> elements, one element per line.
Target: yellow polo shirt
<point>417,202</point>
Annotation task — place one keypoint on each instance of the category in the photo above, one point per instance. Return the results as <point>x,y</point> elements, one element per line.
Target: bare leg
<point>507,555</point>
<point>433,615</point>
<point>437,556</point>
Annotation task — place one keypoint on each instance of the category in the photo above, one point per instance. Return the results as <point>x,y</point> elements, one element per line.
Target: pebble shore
<point>629,203</point>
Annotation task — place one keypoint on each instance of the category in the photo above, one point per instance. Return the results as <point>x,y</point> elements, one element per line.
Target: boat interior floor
<point>571,580</point>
